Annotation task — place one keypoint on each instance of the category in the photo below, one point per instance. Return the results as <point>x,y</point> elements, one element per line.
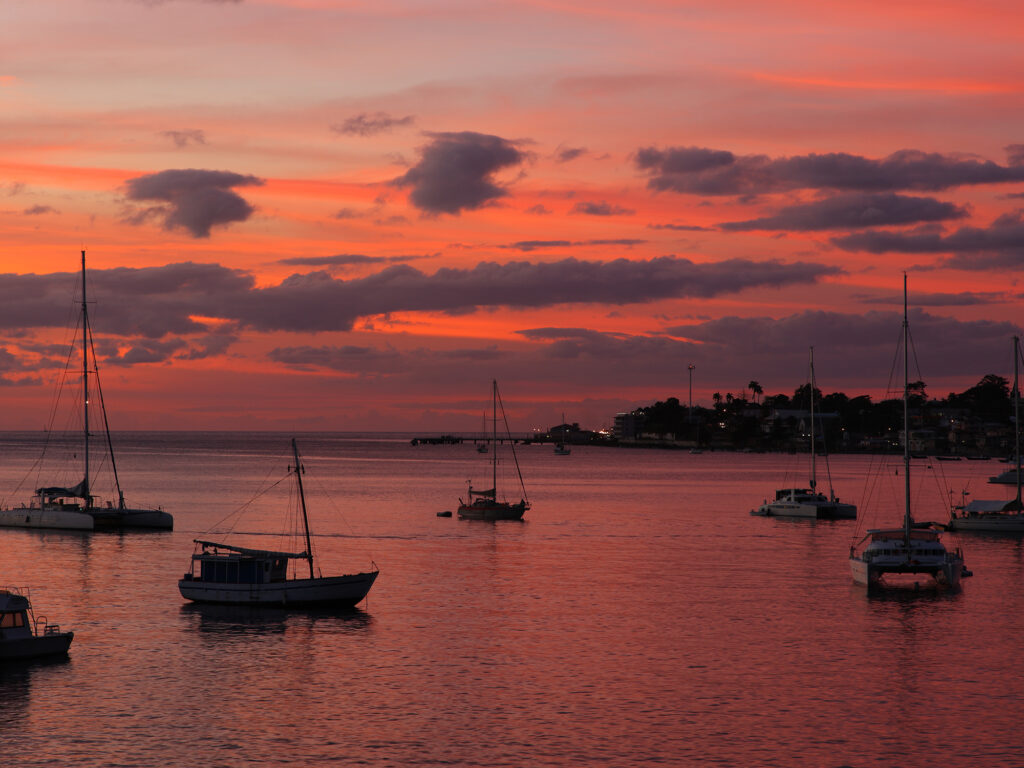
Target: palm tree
<point>756,388</point>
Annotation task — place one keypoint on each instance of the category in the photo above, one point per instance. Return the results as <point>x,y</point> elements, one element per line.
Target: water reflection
<point>240,620</point>
<point>16,686</point>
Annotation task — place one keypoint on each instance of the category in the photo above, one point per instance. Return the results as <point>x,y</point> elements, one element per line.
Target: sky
<point>314,214</point>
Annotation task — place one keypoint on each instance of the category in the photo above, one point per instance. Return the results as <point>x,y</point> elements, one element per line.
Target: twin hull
<point>342,591</point>
<point>85,520</point>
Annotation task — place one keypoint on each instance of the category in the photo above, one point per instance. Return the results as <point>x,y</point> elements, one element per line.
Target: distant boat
<point>889,556</point>
<point>23,635</point>
<point>994,514</point>
<point>561,449</point>
<point>226,574</point>
<point>808,502</point>
<point>482,447</point>
<point>484,504</point>
<point>75,507</point>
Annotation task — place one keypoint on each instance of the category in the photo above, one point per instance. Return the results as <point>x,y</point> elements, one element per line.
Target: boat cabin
<point>14,620</point>
<point>223,564</point>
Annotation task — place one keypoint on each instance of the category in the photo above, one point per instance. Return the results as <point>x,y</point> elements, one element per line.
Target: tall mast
<point>494,432</point>
<point>1016,411</point>
<point>906,417</point>
<point>85,386</point>
<point>302,498</point>
<point>814,472</point>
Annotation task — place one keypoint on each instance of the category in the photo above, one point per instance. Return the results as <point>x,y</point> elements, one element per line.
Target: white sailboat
<point>891,556</point>
<point>808,502</point>
<point>226,574</point>
<point>76,507</point>
<point>484,504</point>
<point>998,514</point>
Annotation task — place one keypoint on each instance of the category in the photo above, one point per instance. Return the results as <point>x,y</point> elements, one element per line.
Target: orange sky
<point>353,215</point>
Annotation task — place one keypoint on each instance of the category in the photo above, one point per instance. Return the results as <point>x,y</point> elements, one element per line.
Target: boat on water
<point>485,504</point>
<point>231,575</point>
<point>561,449</point>
<point>998,514</point>
<point>901,556</point>
<point>23,635</point>
<point>76,507</point>
<point>808,502</point>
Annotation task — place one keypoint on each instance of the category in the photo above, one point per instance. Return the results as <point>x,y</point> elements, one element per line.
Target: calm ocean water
<point>638,616</point>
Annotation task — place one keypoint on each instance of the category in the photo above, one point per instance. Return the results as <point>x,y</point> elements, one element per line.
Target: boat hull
<point>32,517</point>
<point>493,511</point>
<point>337,591</point>
<point>945,575</point>
<point>809,510</point>
<point>155,519</point>
<point>54,644</point>
<point>1006,522</point>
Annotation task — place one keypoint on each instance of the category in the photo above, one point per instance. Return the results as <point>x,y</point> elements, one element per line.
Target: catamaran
<point>75,506</point>
<point>227,574</point>
<point>890,556</point>
<point>484,504</point>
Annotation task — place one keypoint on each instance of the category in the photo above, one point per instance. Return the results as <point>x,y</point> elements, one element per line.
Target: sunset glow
<point>349,216</point>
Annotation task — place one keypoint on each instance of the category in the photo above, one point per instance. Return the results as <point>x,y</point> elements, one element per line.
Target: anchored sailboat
<point>223,573</point>
<point>886,556</point>
<point>995,514</point>
<point>76,507</point>
<point>808,502</point>
<point>484,504</point>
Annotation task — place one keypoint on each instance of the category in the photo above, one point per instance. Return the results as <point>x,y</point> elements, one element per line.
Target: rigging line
<point>512,445</point>
<point>87,330</point>
<point>239,510</point>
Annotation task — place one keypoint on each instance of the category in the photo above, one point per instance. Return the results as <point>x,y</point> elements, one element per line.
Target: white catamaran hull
<point>945,575</point>
<point>1006,522</point>
<point>340,591</point>
<point>821,511</point>
<point>31,517</point>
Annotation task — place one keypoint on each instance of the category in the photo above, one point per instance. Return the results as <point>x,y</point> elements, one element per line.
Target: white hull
<point>1006,522</point>
<point>944,575</point>
<point>810,510</point>
<point>62,519</point>
<point>339,591</point>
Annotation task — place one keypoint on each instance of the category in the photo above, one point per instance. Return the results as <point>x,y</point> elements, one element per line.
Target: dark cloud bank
<point>702,171</point>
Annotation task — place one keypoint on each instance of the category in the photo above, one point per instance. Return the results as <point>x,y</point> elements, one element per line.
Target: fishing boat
<point>901,556</point>
<point>232,575</point>
<point>484,504</point>
<point>808,502</point>
<point>76,506</point>
<point>23,635</point>
<point>998,514</point>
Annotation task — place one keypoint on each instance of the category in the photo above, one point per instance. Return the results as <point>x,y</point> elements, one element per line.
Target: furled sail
<point>77,491</point>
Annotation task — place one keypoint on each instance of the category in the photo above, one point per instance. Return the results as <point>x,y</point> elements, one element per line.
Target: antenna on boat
<point>299,469</point>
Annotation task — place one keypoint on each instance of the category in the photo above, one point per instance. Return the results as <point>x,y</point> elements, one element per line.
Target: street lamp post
<point>689,412</point>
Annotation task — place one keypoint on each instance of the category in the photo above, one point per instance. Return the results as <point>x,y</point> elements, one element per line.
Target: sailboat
<point>561,449</point>
<point>484,504</point>
<point>887,556</point>
<point>226,574</point>
<point>76,507</point>
<point>482,447</point>
<point>808,502</point>
<point>998,514</point>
